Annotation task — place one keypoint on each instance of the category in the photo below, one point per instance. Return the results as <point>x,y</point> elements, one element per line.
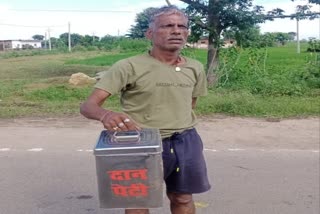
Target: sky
<point>22,19</point>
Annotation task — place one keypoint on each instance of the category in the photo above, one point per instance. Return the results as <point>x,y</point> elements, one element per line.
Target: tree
<point>311,1</point>
<point>58,43</point>
<point>292,35</point>
<point>197,33</point>
<point>88,40</point>
<point>251,37</point>
<point>38,37</point>
<point>213,17</point>
<point>267,40</point>
<point>108,39</point>
<point>216,16</point>
<point>245,38</point>
<point>75,39</point>
<point>314,1</point>
<point>281,38</point>
<point>142,23</point>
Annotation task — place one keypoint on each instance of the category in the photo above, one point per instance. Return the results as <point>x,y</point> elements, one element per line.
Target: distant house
<point>203,43</point>
<point>19,44</point>
<point>228,43</point>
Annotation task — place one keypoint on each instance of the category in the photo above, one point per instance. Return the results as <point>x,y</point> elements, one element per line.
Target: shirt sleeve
<point>200,88</point>
<point>116,78</point>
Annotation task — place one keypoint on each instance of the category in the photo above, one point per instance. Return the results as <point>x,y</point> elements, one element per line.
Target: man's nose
<point>176,29</point>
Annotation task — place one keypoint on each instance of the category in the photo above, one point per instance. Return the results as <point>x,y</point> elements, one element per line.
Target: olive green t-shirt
<point>154,94</point>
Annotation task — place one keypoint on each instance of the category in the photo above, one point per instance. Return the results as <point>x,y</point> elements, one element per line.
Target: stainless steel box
<point>129,169</point>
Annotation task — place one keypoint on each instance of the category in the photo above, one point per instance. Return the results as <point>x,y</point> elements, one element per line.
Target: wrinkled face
<point>169,33</point>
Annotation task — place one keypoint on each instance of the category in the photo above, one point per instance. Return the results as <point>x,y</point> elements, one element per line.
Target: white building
<point>19,44</point>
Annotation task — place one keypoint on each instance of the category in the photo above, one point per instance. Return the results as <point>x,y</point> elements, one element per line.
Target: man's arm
<point>194,102</point>
<point>92,109</point>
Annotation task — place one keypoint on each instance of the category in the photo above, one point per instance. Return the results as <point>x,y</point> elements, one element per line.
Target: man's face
<point>170,32</point>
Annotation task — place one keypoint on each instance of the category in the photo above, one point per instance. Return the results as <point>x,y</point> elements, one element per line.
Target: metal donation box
<point>129,169</point>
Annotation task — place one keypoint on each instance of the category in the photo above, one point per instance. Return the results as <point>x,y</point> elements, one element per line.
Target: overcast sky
<point>18,21</point>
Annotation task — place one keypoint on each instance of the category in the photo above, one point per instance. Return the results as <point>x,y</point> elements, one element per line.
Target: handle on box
<point>127,138</point>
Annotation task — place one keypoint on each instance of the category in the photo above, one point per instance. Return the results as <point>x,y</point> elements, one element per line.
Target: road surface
<point>255,166</point>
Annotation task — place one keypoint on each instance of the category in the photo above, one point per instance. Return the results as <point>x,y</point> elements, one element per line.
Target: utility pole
<point>298,19</point>
<point>49,39</point>
<point>298,37</point>
<point>3,46</point>
<point>69,37</point>
<point>45,40</point>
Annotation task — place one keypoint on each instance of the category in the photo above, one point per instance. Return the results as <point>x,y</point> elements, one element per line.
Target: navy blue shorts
<point>184,166</point>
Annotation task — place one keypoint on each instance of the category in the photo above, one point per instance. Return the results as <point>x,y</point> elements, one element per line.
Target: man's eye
<point>183,27</point>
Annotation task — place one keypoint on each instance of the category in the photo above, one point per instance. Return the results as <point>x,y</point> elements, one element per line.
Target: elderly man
<point>159,89</point>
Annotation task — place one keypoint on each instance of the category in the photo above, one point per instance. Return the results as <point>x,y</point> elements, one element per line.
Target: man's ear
<point>148,34</point>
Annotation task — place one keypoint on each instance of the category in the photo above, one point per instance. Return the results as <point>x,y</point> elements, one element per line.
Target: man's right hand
<point>116,121</point>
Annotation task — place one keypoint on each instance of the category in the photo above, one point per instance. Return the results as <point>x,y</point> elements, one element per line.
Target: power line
<point>315,14</point>
<point>15,25</point>
<point>73,11</point>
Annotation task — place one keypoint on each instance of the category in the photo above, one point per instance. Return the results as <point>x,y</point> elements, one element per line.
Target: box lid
<point>126,142</point>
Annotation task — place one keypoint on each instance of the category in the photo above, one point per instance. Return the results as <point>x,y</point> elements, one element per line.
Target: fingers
<point>125,123</point>
<point>129,123</point>
<point>111,125</point>
<point>119,122</point>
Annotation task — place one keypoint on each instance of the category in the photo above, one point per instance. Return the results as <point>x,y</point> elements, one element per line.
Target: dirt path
<point>218,132</point>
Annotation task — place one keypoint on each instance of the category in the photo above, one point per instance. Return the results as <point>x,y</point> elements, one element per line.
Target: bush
<point>92,48</point>
<point>251,73</point>
<point>34,52</point>
<point>134,45</point>
<point>27,47</point>
<point>311,73</point>
<point>111,43</point>
<point>79,48</point>
<point>314,45</point>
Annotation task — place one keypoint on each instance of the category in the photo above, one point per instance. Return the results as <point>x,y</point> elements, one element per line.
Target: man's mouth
<point>175,40</point>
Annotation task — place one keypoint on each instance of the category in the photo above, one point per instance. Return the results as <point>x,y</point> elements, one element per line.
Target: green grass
<point>242,103</point>
<point>38,86</point>
<point>102,60</point>
<point>282,58</point>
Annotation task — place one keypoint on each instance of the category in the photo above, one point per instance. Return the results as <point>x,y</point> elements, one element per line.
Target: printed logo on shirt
<point>165,84</point>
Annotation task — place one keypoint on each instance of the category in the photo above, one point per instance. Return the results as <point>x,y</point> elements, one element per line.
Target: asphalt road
<point>51,170</point>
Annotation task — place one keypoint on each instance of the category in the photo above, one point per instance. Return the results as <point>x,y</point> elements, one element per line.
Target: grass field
<point>38,85</point>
